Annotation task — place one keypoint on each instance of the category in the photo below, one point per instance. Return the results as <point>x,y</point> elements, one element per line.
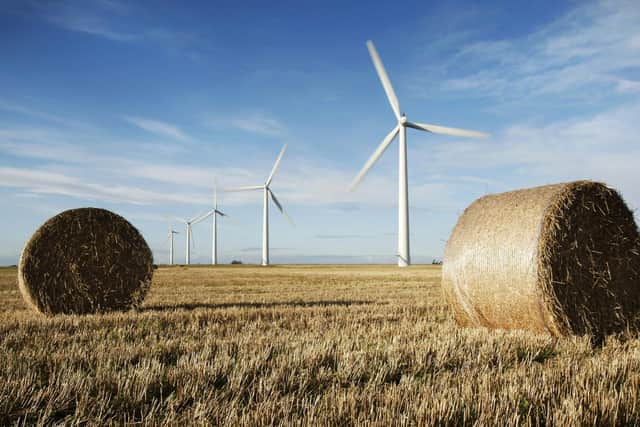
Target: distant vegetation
<point>235,261</point>
<point>303,345</point>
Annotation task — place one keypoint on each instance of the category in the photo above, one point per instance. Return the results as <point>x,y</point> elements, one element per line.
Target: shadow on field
<point>193,306</point>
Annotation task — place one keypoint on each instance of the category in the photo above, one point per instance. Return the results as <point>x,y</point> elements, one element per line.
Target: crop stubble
<point>301,345</point>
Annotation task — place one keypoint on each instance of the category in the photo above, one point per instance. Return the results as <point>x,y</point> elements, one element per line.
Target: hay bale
<point>562,259</point>
<point>83,261</point>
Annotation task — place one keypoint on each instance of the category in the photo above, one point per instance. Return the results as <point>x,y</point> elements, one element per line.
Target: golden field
<point>301,345</point>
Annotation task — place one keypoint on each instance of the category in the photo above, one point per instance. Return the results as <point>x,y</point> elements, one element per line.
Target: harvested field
<point>305,345</point>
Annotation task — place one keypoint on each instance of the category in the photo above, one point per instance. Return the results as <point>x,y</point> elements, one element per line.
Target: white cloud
<point>300,180</point>
<point>111,20</point>
<point>58,147</point>
<point>590,47</point>
<point>158,127</point>
<point>13,107</point>
<point>602,147</point>
<point>91,25</point>
<point>260,124</point>
<point>256,122</point>
<point>628,86</point>
<point>89,16</point>
<point>41,181</point>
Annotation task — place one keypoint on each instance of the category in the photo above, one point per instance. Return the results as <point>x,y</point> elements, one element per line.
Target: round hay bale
<point>562,259</point>
<point>83,261</point>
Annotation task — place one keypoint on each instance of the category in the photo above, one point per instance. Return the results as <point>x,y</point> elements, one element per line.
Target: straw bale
<point>562,259</point>
<point>85,260</point>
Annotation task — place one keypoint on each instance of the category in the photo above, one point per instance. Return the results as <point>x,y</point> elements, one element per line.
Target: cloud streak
<point>13,107</point>
<point>157,127</point>
<point>594,46</point>
<point>110,20</point>
<point>89,17</point>
<point>257,123</point>
<point>40,181</point>
<point>323,185</point>
<point>602,147</point>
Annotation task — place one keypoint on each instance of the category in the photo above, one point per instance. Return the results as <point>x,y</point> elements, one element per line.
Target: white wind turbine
<point>265,215</point>
<point>190,223</point>
<point>214,214</point>
<point>404,258</point>
<point>170,238</point>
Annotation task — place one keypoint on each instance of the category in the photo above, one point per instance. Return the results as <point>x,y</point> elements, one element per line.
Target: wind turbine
<point>190,223</point>
<point>404,258</point>
<point>170,238</point>
<point>265,215</point>
<point>214,214</point>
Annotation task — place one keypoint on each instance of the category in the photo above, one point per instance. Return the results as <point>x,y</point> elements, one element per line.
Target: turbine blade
<point>280,208</point>
<point>182,220</point>
<point>227,217</point>
<point>201,217</point>
<point>248,188</point>
<point>447,131</point>
<point>276,164</point>
<point>374,157</point>
<point>384,79</point>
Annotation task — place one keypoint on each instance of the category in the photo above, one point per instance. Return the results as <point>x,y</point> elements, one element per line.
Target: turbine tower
<point>214,238</point>
<point>266,190</point>
<point>404,258</point>
<point>190,223</point>
<point>170,237</point>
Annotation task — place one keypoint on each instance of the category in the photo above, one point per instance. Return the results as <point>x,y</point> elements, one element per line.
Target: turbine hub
<point>403,119</point>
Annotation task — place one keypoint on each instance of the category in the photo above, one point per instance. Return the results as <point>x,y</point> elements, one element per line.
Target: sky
<point>139,107</point>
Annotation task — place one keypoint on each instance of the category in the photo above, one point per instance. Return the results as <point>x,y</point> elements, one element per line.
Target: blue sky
<point>138,106</point>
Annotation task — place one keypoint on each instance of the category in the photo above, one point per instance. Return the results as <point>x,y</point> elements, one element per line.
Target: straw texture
<point>83,261</point>
<point>562,259</point>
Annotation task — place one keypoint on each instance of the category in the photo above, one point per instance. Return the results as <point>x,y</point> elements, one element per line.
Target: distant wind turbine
<point>190,223</point>
<point>404,258</point>
<point>170,238</point>
<point>265,216</point>
<point>214,214</point>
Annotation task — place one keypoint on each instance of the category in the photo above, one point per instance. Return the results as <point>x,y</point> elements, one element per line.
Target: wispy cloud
<point>40,181</point>
<point>597,146</point>
<point>93,26</point>
<point>322,185</point>
<point>595,46</point>
<point>91,17</point>
<point>17,108</point>
<point>158,127</point>
<point>111,20</point>
<point>602,147</point>
<point>256,122</point>
<point>69,149</point>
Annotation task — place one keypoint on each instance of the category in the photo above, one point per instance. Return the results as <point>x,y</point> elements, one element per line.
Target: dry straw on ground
<point>563,259</point>
<point>85,260</point>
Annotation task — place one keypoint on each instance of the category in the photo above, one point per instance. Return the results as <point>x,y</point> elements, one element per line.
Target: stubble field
<point>301,345</point>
